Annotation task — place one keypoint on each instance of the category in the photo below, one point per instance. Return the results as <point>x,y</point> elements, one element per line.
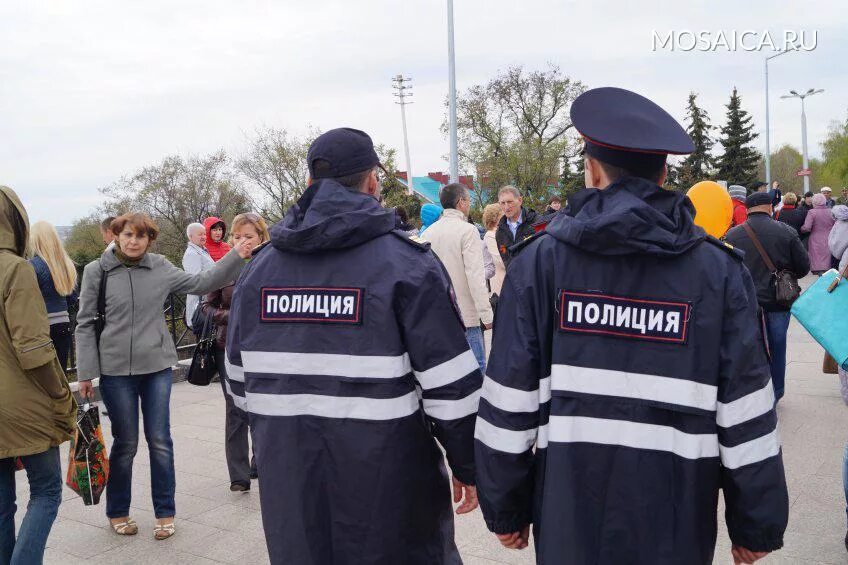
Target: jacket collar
<point>195,247</point>
<point>109,261</point>
<point>454,213</point>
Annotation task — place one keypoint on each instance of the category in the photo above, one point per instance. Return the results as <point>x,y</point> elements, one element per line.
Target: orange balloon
<point>713,207</point>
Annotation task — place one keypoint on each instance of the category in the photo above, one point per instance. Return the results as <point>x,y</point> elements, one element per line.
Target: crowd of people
<point>348,342</point>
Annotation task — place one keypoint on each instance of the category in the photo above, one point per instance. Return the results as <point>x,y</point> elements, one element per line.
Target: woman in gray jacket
<point>133,357</point>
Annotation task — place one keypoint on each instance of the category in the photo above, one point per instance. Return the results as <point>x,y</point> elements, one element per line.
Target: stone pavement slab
<point>217,526</point>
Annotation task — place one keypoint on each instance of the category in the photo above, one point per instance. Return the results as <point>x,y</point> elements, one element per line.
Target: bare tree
<point>515,129</point>
<point>275,169</point>
<point>179,191</point>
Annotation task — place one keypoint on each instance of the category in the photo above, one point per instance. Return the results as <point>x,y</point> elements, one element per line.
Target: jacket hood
<point>329,216</point>
<point>632,215</point>
<point>211,221</point>
<point>840,212</point>
<point>14,223</point>
<point>429,214</point>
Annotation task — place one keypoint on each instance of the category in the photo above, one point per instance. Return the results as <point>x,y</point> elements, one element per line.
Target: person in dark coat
<point>776,194</point>
<point>345,347</point>
<point>791,214</point>
<point>554,206</point>
<point>516,225</point>
<point>251,228</point>
<point>807,202</point>
<point>784,248</point>
<point>628,381</point>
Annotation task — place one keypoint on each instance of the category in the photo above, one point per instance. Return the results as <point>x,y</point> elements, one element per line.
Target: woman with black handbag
<point>250,230</point>
<point>122,338</point>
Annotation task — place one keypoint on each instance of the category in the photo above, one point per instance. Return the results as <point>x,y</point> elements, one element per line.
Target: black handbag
<point>203,366</point>
<point>786,287</point>
<point>198,320</point>
<point>100,316</point>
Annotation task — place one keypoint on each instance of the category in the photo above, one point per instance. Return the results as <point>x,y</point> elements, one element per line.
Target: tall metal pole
<point>768,147</point>
<point>454,154</point>
<point>806,161</point>
<point>403,96</point>
<point>768,128</point>
<point>806,164</point>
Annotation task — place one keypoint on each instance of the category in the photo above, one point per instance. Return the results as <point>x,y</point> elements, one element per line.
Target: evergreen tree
<point>572,178</point>
<point>738,164</point>
<point>673,178</point>
<point>699,165</point>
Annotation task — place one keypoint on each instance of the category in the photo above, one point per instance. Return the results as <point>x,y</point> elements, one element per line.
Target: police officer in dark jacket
<point>350,357</point>
<point>515,225</point>
<point>783,246</point>
<point>628,380</point>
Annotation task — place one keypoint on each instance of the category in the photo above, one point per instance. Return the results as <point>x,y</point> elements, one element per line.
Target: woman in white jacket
<point>196,259</point>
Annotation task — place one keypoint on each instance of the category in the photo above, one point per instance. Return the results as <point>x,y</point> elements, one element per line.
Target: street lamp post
<point>806,165</point>
<point>402,86</point>
<point>454,157</point>
<point>768,147</point>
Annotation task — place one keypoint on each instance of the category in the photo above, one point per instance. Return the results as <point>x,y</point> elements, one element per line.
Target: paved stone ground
<point>217,526</point>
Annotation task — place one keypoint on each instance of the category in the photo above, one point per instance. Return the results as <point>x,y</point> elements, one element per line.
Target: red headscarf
<point>217,249</point>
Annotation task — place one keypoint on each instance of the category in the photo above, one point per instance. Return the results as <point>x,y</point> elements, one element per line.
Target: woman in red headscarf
<point>215,231</point>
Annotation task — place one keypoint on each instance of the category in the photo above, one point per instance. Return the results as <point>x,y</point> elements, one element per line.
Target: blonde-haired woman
<point>57,279</point>
<point>247,229</point>
<point>491,216</point>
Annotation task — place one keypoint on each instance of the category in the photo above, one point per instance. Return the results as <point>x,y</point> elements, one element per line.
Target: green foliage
<point>84,243</point>
<point>514,129</point>
<point>784,163</point>
<point>395,194</point>
<point>573,176</point>
<point>673,179</point>
<point>834,170</point>
<point>698,165</point>
<point>738,163</point>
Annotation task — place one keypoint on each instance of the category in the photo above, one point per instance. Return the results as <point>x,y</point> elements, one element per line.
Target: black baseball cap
<point>347,150</point>
<point>758,199</point>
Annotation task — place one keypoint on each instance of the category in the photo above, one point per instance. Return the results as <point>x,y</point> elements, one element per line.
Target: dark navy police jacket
<point>627,385</point>
<point>348,353</point>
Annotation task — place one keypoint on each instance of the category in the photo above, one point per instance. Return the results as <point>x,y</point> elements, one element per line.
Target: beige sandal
<point>126,528</point>
<point>164,531</point>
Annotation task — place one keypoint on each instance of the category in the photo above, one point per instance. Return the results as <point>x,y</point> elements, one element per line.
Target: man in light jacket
<point>457,244</point>
<point>196,259</point>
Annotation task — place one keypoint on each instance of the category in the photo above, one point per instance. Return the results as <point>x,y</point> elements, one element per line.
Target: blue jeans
<point>44,473</point>
<point>777,324</point>
<point>474,336</point>
<point>121,396</point>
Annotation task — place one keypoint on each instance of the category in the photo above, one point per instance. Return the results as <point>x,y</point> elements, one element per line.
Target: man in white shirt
<point>457,244</point>
<point>195,260</point>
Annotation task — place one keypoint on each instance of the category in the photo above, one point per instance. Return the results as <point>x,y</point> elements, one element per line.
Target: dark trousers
<point>44,473</point>
<point>122,396</point>
<point>777,326</point>
<point>62,337</point>
<point>236,431</point>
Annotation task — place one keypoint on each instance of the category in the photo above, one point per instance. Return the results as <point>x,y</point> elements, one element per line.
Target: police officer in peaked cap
<point>628,381</point>
<point>333,327</point>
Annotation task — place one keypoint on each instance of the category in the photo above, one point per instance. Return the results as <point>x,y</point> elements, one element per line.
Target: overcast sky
<point>93,90</point>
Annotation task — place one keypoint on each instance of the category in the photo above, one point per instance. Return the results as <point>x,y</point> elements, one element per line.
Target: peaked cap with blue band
<point>627,130</point>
